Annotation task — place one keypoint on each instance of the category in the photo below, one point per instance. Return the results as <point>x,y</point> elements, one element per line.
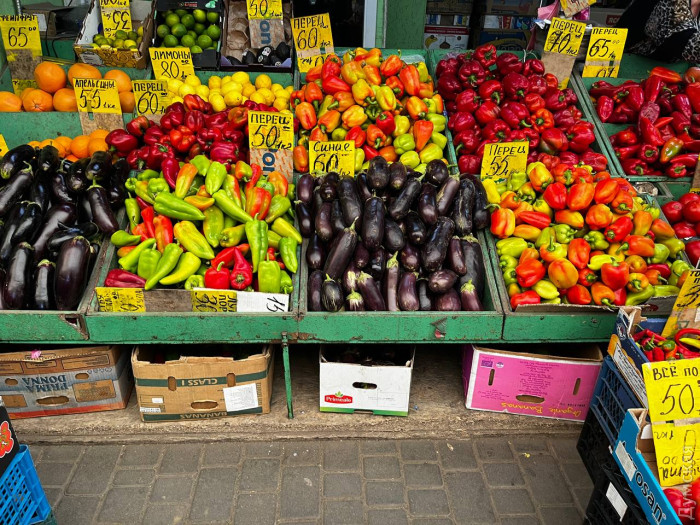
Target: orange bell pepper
<point>572,218</point>
<point>297,97</point>
<point>389,153</point>
<point>417,109</point>
<point>329,121</point>
<point>314,73</point>
<point>300,156</point>
<point>502,222</point>
<point>354,116</point>
<point>662,230</point>
<point>342,100</point>
<point>318,134</point>
<point>352,72</point>
<point>636,263</point>
<point>642,220</point>
<point>579,253</point>
<point>375,136</point>
<point>638,245</point>
<point>527,231</point>
<point>411,79</point>
<point>602,295</point>
<point>362,92</point>
<point>540,177</point>
<point>529,253</point>
<point>372,74</point>
<point>313,94</point>
<point>510,200</point>
<point>580,196</point>
<point>426,89</point>
<point>599,217</point>
<point>562,273</point>
<point>391,66</point>
<point>280,183</point>
<point>306,114</point>
<point>422,130</point>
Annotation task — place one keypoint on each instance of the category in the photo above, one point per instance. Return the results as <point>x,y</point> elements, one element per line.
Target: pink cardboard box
<point>556,383</point>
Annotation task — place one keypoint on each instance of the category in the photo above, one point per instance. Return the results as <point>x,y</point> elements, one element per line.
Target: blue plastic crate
<point>611,399</point>
<point>601,511</point>
<point>22,499</point>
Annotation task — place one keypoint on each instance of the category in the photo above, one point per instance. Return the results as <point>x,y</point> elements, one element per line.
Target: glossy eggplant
<point>76,180</point>
<point>403,203</point>
<point>305,188</point>
<point>350,201</point>
<point>303,216</point>
<point>455,257</point>
<point>102,213</point>
<point>362,186</point>
<point>29,225</point>
<point>94,253</point>
<point>482,216</point>
<point>43,286</point>
<point>12,222</point>
<point>324,226</point>
<point>315,253</point>
<point>427,204</point>
<point>315,284</point>
<point>341,252</point>
<point>448,301</point>
<point>72,266</point>
<point>416,231</point>
<point>48,161</point>
<point>15,190</point>
<point>377,263</point>
<point>442,280</point>
<point>327,191</point>
<point>354,302</point>
<point>15,160</point>
<point>391,284</point>
<point>408,293</point>
<point>410,258</point>
<point>436,172</point>
<point>446,195</point>
<point>39,192</point>
<point>99,168</point>
<point>85,229</point>
<point>337,221</point>
<point>350,278</point>
<point>18,280</point>
<point>58,216</point>
<point>316,202</point>
<point>59,189</point>
<point>332,177</point>
<point>435,250</point>
<point>331,295</point>
<point>394,239</point>
<point>378,173</point>
<point>397,176</point>
<point>361,256</point>
<point>469,298</point>
<point>3,275</point>
<point>476,271</point>
<point>462,210</point>
<point>116,192</point>
<point>424,302</point>
<point>373,223</point>
<point>374,302</point>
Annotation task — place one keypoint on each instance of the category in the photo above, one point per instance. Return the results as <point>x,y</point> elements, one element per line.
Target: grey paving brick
<point>456,455</point>
<point>53,495</point>
<point>422,475</point>
<point>180,458</point>
<point>384,493</point>
<point>302,453</point>
<point>342,485</point>
<point>53,474</point>
<point>546,482</point>
<point>60,453</point>
<point>583,496</point>
<point>565,448</point>
<point>36,451</point>
<point>532,444</point>
<point>378,447</point>
<point>381,467</point>
<point>519,520</point>
<point>143,456</point>
<point>469,497</point>
<point>438,521</point>
<point>165,514</point>
<point>122,505</point>
<point>263,450</point>
<point>172,489</point>
<point>503,474</point>
<point>341,455</point>
<point>301,491</point>
<point>387,517</point>
<point>577,474</point>
<point>94,470</point>
<point>255,509</point>
<point>428,502</point>
<point>512,501</point>
<point>343,513</point>
<point>559,515</point>
<point>216,454</point>
<point>76,510</point>
<point>260,474</point>
<point>213,494</point>
<point>138,477</point>
<point>493,449</point>
<point>418,451</point>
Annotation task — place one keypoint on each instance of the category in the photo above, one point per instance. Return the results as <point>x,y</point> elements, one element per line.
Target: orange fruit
<point>127,101</point>
<point>50,77</point>
<point>37,101</point>
<point>80,146</point>
<point>97,145</point>
<point>65,142</point>
<point>72,158</point>
<point>83,71</point>
<point>99,134</point>
<point>9,102</point>
<point>34,143</point>
<point>64,100</point>
<point>122,79</point>
<point>52,142</point>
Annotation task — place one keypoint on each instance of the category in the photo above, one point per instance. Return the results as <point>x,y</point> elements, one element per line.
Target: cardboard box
<point>9,445</point>
<point>209,384</point>
<point>605,17</point>
<point>443,37</point>
<point>141,15</point>
<point>504,40</point>
<point>512,7</point>
<point>447,20</point>
<point>53,19</point>
<point>353,387</point>
<point>460,7</point>
<point>634,453</point>
<point>37,383</point>
<point>519,23</point>
<point>556,382</point>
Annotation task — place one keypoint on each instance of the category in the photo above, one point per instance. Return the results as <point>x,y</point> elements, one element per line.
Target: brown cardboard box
<point>452,7</point>
<point>202,386</point>
<point>36,383</point>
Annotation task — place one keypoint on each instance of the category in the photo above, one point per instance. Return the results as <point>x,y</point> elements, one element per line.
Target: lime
<point>110,41</point>
<point>187,41</point>
<point>172,20</point>
<point>132,35</point>
<point>181,12</point>
<point>187,21</point>
<point>129,44</point>
<point>204,41</point>
<point>97,37</point>
<point>140,31</point>
<point>192,34</point>
<point>170,41</point>
<point>168,12</point>
<point>118,43</point>
<point>162,31</point>
<point>199,16</point>
<point>212,17</point>
<point>214,32</point>
<point>199,28</point>
<point>120,34</point>
<point>178,30</point>
<point>212,47</point>
<point>99,40</point>
<point>196,49</point>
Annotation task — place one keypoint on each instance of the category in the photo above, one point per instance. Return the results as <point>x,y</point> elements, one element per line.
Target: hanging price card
<point>3,146</point>
<point>171,63</point>
<point>97,95</point>
<point>270,130</point>
<point>120,299</point>
<point>338,156</point>
<point>561,48</point>
<point>673,389</point>
<point>605,52</point>
<point>262,9</point>
<point>571,7</point>
<point>313,40</point>
<point>20,32</point>
<point>116,16</point>
<point>677,450</point>
<point>151,96</point>
<point>501,159</point>
<point>686,310</point>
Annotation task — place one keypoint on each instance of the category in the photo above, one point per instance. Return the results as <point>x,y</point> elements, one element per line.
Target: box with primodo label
<point>175,383</point>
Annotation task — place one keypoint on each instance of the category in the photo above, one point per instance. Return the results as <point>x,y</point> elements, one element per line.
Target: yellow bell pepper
<point>430,152</point>
<point>386,98</point>
<point>492,194</point>
<point>423,73</point>
<point>352,72</point>
<point>362,92</point>
<point>354,116</point>
<point>403,124</point>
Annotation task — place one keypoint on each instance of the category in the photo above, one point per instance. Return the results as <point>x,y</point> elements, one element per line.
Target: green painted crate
<point>402,327</point>
<point>675,189</point>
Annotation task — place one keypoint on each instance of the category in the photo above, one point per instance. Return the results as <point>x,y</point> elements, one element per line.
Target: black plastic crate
<point>601,511</point>
<point>593,447</point>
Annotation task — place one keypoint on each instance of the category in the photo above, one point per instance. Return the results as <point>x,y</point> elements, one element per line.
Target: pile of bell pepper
<point>663,111</point>
<point>387,107</point>
<point>499,98</point>
<point>569,236</point>
<point>658,348</point>
<point>684,216</point>
<point>212,226</point>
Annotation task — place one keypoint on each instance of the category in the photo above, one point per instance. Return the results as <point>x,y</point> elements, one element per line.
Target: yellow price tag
<point>97,95</point>
<point>337,156</point>
<point>501,159</point>
<point>3,146</point>
<point>605,50</point>
<point>684,313</point>
<point>171,63</point>
<point>214,301</point>
<point>260,9</point>
<point>673,389</point>
<point>20,32</point>
<point>677,450</point>
<point>271,131</point>
<point>150,96</point>
<point>564,37</point>
<point>116,16</point>
<point>313,37</point>
<point>120,299</point>
<point>20,85</point>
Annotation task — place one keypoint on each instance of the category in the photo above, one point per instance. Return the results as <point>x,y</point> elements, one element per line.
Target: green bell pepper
<point>421,168</point>
<point>597,261</point>
<point>131,260</point>
<point>213,225</point>
<point>510,277</point>
<point>286,283</point>
<point>288,251</point>
<point>516,180</point>
<point>267,186</point>
<point>556,300</point>
<point>359,159</point>
<point>404,143</point>
<point>269,276</point>
<point>675,246</point>
<point>339,134</point>
<point>187,266</point>
<point>564,233</point>
<point>597,240</point>
<point>169,205</point>
<point>202,163</point>
<point>285,229</point>
<point>216,175</point>
<point>527,193</point>
<point>121,238</point>
<point>513,246</point>
<point>545,236</point>
<point>194,281</point>
<point>148,174</point>
<point>546,289</point>
<point>256,233</point>
<point>410,159</point>
<point>193,241</point>
<point>141,190</point>
<point>507,261</point>
<point>439,139</point>
<point>661,253</point>
<point>158,186</point>
<point>635,298</point>
<point>430,152</point>
<point>171,255</point>
<point>439,121</point>
<point>148,262</point>
<point>273,239</point>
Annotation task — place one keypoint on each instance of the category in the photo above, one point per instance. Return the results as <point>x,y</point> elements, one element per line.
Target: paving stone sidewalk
<point>531,479</point>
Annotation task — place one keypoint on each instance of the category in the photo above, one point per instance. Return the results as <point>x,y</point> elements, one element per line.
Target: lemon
<point>217,102</point>
<point>233,99</point>
<point>202,91</point>
<point>263,81</point>
<point>282,94</point>
<point>241,77</point>
<point>186,89</point>
<point>267,95</point>
<point>214,92</point>
<point>214,82</point>
<point>174,84</point>
<point>228,87</point>
<point>173,100</point>
<point>289,89</point>
<point>248,90</point>
<point>279,104</point>
<point>275,87</point>
<point>226,79</point>
<point>258,98</point>
<point>286,111</point>
<point>193,80</point>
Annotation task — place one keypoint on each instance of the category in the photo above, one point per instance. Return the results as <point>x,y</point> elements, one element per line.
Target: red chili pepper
<point>650,134</point>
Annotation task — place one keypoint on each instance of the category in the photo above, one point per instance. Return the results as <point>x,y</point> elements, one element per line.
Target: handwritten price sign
<point>337,156</point>
<point>171,63</point>
<point>313,40</point>
<point>270,130</point>
<point>673,389</point>
<point>677,452</point>
<point>564,37</point>
<point>262,9</point>
<point>502,159</point>
<point>685,309</point>
<point>605,52</point>
<point>127,300</point>
<point>214,301</point>
<point>151,96</point>
<point>97,96</point>
<point>21,32</point>
<point>116,16</point>
<point>206,300</point>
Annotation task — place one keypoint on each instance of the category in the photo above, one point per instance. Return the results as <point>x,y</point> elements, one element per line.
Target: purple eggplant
<point>476,271</point>
<point>3,306</point>
<point>481,214</point>
<point>314,291</point>
<point>323,224</point>
<point>102,213</point>
<point>442,280</point>
<point>12,222</point>
<point>446,195</point>
<point>18,281</point>
<point>84,211</point>
<point>377,264</point>
<point>448,302</point>
<point>331,295</point>
<point>424,302</point>
<point>408,293</point>
<point>435,250</point>
<point>43,286</point>
<point>378,173</point>
<point>72,266</point>
<point>59,189</point>
<point>455,257</point>
<point>374,302</point>
<point>362,186</point>
<point>30,224</point>
<point>373,223</point>
<point>341,252</point>
<point>469,297</point>
<point>350,201</point>
<point>463,208</point>
<point>337,221</point>
<point>327,191</point>
<point>40,193</point>
<point>315,253</point>
<point>76,180</point>
<point>116,192</point>
<point>391,284</point>
<point>410,258</point>
<point>15,160</point>
<point>59,216</point>
<point>397,176</point>
<point>350,278</point>
<point>15,189</point>
<point>316,202</point>
<point>99,169</point>
<point>416,231</point>
<point>48,161</point>
<point>354,302</point>
<point>404,202</point>
<point>305,188</point>
<point>436,172</point>
<point>393,236</point>
<point>303,216</point>
<point>361,256</point>
<point>427,205</point>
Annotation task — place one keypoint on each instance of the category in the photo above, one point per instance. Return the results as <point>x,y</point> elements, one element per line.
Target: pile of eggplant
<point>392,239</point>
<point>52,215</point>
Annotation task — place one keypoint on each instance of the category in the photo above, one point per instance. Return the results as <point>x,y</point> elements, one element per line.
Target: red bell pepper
<point>138,126</point>
<point>194,102</point>
<point>487,112</point>
<point>385,122</point>
<point>509,63</point>
<point>515,86</point>
<point>529,297</point>
<point>619,229</point>
<point>580,136</point>
<point>529,272</point>
<point>121,142</point>
<point>358,135</point>
<point>491,90</point>
<point>555,196</point>
<point>495,130</point>
<point>650,134</point>
<point>553,140</point>
<point>461,121</point>
<point>515,114</point>
<point>486,55</point>
<point>580,196</point>
<point>471,73</point>
<point>448,85</point>
<point>241,275</point>
<point>542,119</point>
<point>468,101</point>
<point>633,166</point>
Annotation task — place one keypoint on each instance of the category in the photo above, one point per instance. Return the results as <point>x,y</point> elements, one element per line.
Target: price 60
<point>326,162</point>
<point>307,38</point>
<point>149,103</point>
